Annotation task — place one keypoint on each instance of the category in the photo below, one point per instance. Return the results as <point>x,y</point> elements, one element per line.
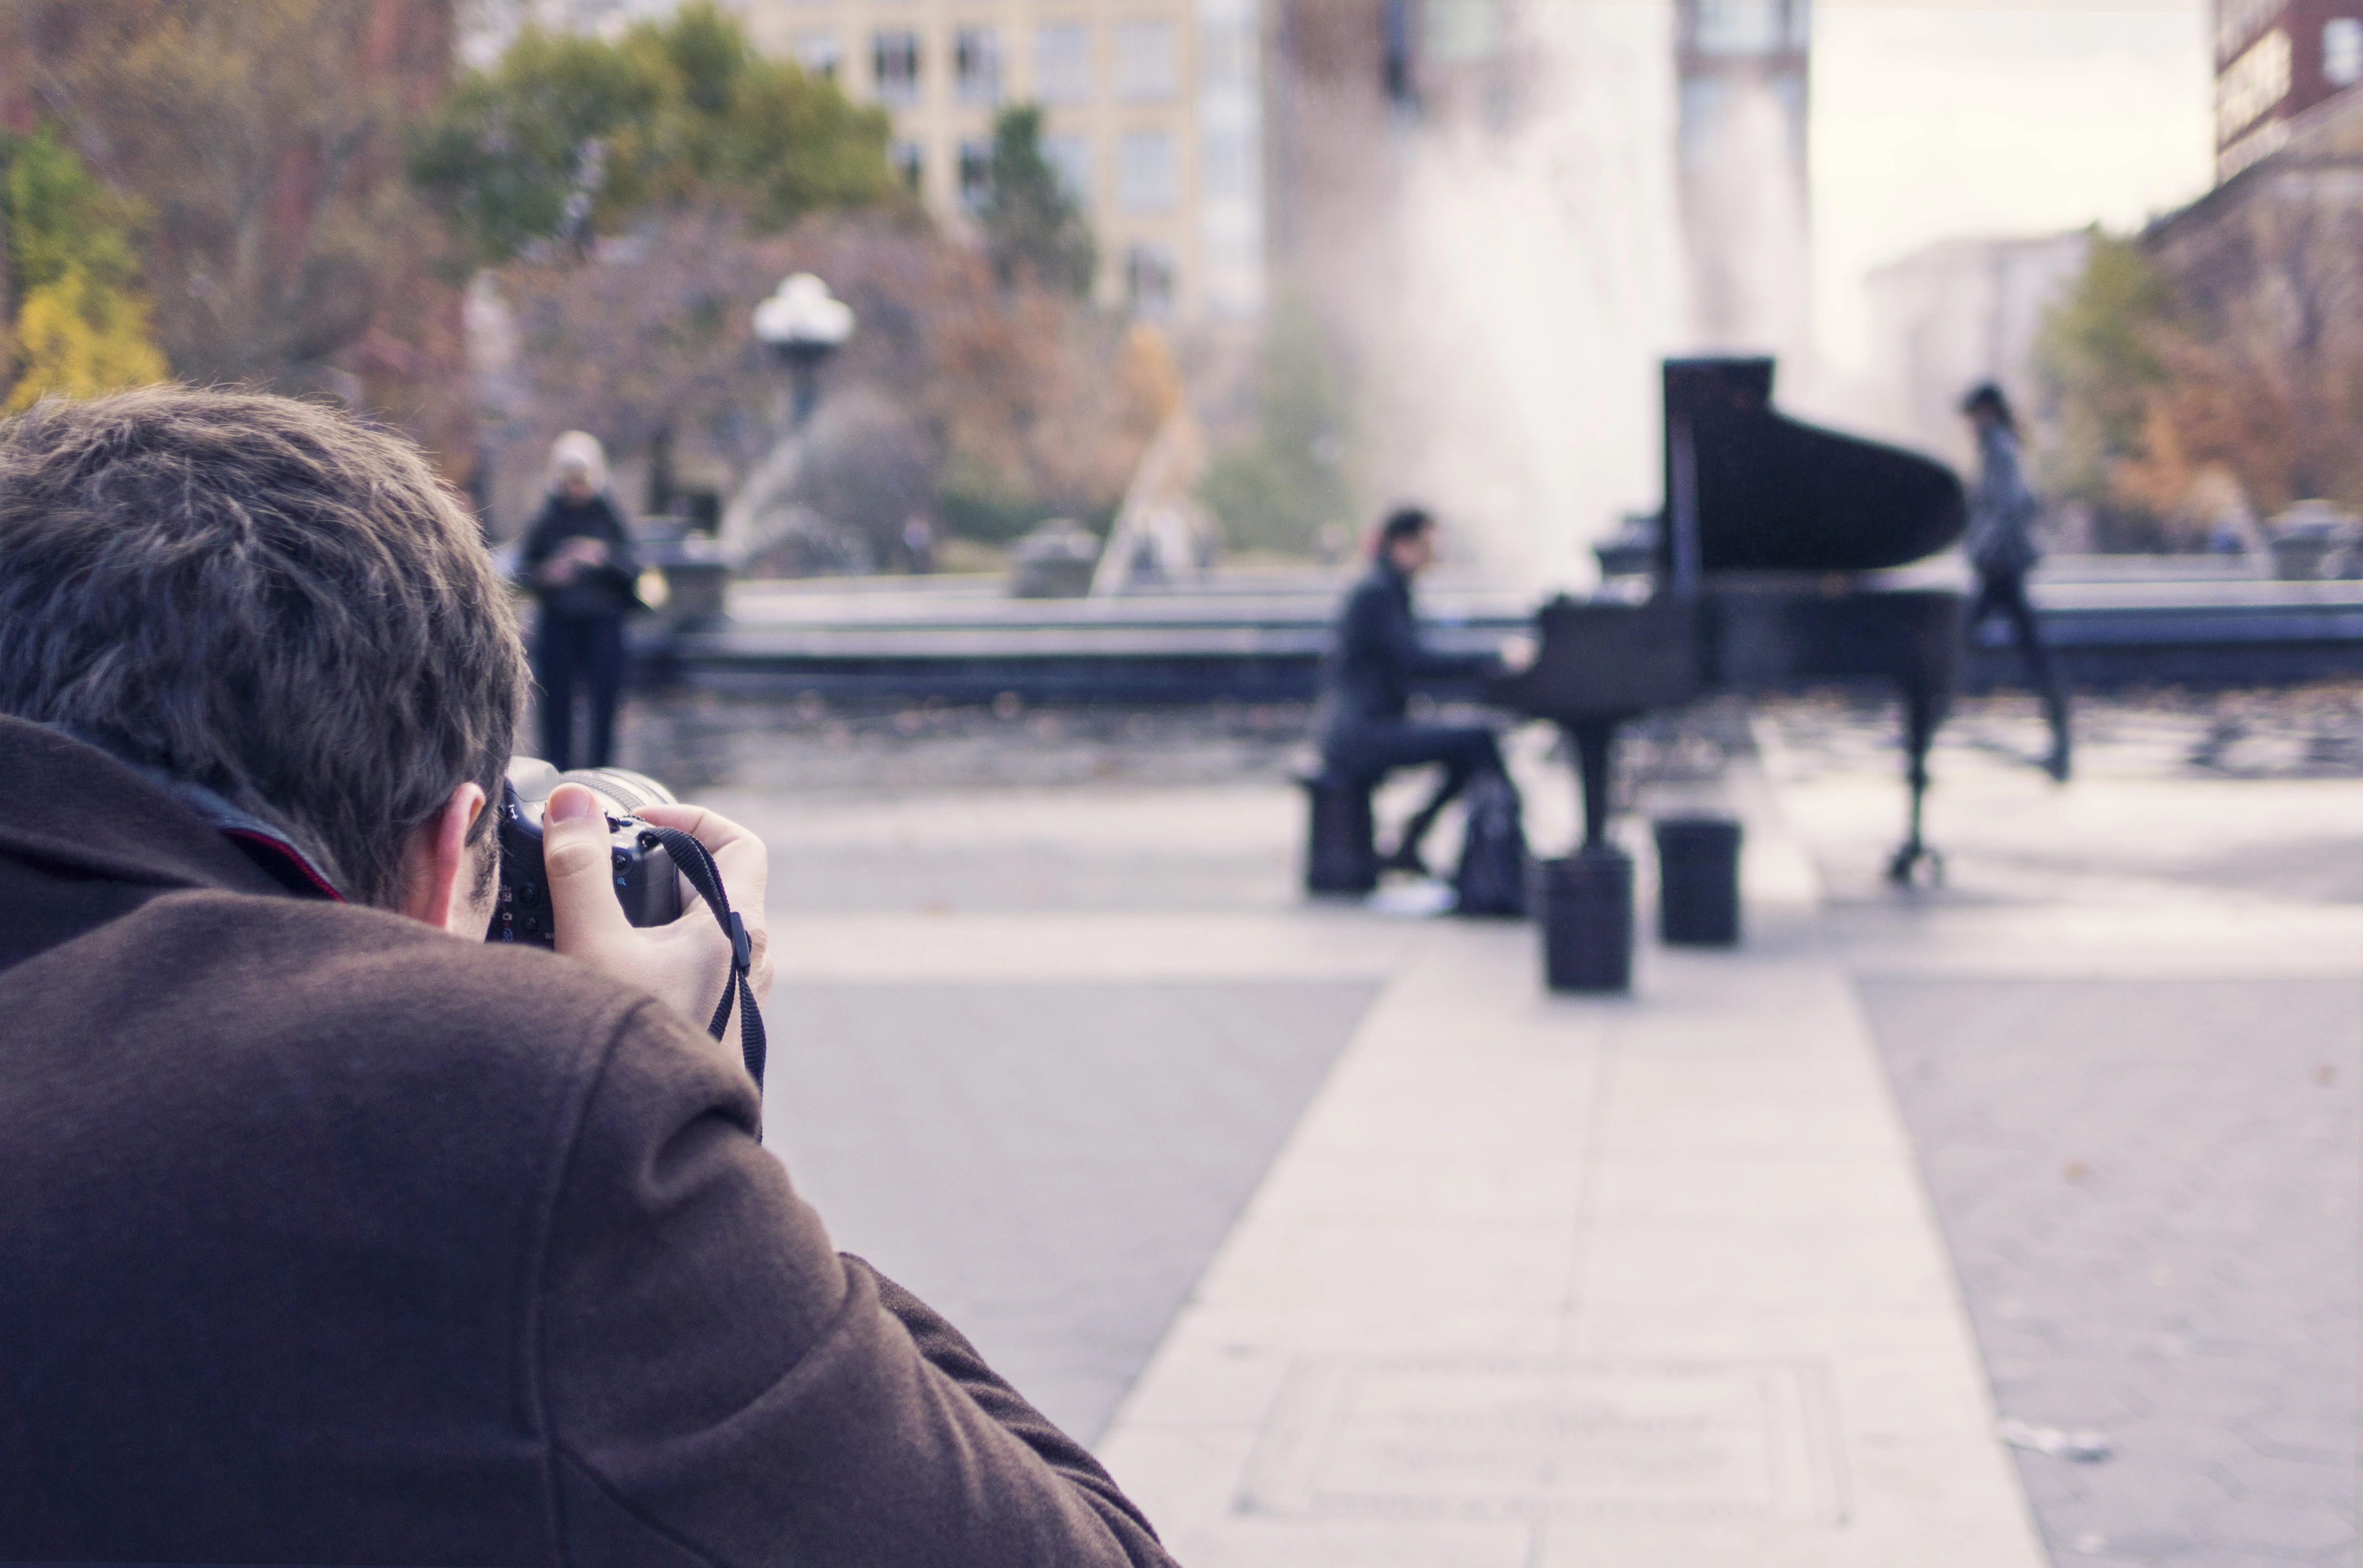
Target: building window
<point>818,53</point>
<point>1062,64</point>
<point>1071,156</point>
<point>1458,29</point>
<point>975,173</point>
<point>2342,51</point>
<point>1223,60</point>
<point>1148,279</point>
<point>895,60</point>
<point>1226,163</point>
<point>2237,21</point>
<point>1144,172</point>
<point>976,64</point>
<point>904,157</point>
<point>1145,69</point>
<point>2252,86</point>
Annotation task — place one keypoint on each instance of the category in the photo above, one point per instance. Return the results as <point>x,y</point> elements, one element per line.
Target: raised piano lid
<point>1777,495</point>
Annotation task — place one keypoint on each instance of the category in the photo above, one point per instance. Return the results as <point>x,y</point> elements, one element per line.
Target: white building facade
<point>1959,312</point>
<point>1152,113</point>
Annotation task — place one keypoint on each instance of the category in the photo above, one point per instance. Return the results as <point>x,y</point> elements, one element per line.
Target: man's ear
<point>435,864</point>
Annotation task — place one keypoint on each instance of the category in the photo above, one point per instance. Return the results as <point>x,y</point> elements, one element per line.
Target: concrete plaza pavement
<point>1377,1254</point>
<point>2127,1038</point>
<point>1554,1281</point>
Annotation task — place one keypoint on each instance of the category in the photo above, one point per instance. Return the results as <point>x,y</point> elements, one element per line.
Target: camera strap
<point>693,862</point>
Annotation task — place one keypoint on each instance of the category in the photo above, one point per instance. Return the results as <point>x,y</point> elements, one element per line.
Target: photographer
<point>333,1233</point>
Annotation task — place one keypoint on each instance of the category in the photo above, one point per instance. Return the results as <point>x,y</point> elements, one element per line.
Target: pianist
<point>1374,659</point>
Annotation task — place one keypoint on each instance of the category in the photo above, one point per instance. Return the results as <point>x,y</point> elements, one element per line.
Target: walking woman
<point>578,560</point>
<point>2002,547</point>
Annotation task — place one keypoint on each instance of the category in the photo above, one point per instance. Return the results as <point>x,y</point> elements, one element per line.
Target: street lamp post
<point>803,324</point>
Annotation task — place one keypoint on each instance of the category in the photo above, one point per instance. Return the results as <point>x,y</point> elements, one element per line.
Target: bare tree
<point>2264,361</point>
<point>266,150</point>
<point>1025,400</point>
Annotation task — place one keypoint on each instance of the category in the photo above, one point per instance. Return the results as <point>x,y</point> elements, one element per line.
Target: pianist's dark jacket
<point>1375,657</point>
<point>328,1237</point>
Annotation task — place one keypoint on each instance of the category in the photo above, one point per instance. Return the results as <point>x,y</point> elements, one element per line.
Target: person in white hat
<point>578,560</point>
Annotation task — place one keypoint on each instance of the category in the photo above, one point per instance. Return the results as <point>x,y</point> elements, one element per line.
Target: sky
<point>2003,118</point>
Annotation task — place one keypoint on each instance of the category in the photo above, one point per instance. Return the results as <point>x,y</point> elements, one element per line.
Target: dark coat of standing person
<point>2001,544</point>
<point>578,558</point>
<point>333,1232</point>
<point>1374,661</point>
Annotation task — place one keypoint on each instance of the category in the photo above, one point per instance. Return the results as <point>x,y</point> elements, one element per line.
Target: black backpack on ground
<point>1493,876</point>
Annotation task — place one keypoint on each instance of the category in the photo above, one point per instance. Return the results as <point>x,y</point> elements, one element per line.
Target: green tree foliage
<point>2099,353</point>
<point>60,217</point>
<point>1279,488</point>
<point>78,339</point>
<point>567,135</point>
<point>79,322</point>
<point>1033,229</point>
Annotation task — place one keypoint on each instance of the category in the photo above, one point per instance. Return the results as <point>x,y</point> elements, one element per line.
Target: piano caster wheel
<point>1901,869</point>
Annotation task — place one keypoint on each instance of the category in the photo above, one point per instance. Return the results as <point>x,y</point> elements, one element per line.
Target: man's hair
<point>1404,523</point>
<point>264,598</point>
<point>1988,397</point>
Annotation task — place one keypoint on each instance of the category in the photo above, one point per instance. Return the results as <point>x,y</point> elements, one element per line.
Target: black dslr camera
<point>646,881</point>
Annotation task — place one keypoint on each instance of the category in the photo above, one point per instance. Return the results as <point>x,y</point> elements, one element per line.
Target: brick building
<point>2276,62</point>
<point>2264,266</point>
<point>2277,237</point>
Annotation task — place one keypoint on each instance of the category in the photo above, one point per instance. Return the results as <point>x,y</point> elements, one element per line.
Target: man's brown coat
<point>326,1238</point>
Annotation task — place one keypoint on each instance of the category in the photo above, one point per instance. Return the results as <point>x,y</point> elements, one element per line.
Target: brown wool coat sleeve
<point>948,1351</point>
<point>719,1386</point>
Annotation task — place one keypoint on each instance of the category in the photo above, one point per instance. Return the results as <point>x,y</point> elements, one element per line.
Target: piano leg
<point>1923,711</point>
<point>1595,750</point>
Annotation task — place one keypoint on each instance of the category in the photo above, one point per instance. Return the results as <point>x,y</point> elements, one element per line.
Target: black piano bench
<point>1341,856</point>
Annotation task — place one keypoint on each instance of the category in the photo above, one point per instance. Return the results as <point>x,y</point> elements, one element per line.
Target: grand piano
<point>1770,572</point>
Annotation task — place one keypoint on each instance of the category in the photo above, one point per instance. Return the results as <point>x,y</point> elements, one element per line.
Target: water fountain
<point>1530,278</point>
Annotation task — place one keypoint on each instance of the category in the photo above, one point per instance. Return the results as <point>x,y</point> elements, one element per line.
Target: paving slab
<point>1127,945</point>
<point>1048,1163</point>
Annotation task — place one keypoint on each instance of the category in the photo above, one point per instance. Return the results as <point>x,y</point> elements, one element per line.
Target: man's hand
<point>686,962</point>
